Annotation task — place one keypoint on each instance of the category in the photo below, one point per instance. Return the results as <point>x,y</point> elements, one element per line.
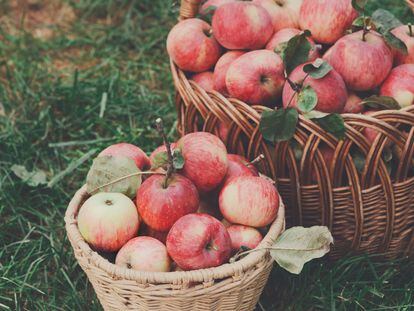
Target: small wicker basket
<point>232,287</point>
<point>370,211</point>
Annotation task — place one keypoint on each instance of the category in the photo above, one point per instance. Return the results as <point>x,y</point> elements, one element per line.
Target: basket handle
<point>189,8</point>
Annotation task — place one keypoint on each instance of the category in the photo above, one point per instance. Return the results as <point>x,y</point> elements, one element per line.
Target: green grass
<point>118,48</point>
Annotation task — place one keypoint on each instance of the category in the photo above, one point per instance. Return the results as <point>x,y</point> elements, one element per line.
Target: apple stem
<point>410,29</point>
<point>256,160</point>
<point>170,166</point>
<point>297,87</point>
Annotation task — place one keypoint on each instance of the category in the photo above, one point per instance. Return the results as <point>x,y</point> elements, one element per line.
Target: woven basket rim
<point>175,277</point>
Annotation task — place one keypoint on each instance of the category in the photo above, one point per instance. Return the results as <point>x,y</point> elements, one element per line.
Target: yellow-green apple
<point>244,236</point>
<point>205,80</point>
<point>160,207</point>
<point>331,90</point>
<point>238,166</point>
<point>284,35</point>
<point>283,13</point>
<point>144,253</point>
<point>256,77</point>
<point>148,231</point>
<point>212,4</point>
<point>130,151</point>
<point>108,220</point>
<point>353,104</point>
<point>363,62</point>
<point>242,26</point>
<point>400,85</point>
<point>159,150</point>
<point>220,70</point>
<point>205,160</point>
<point>327,20</point>
<point>198,241</point>
<point>406,34</point>
<point>192,47</point>
<point>249,200</point>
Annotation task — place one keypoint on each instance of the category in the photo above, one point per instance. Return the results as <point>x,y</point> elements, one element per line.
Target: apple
<point>284,35</point>
<point>144,253</point>
<point>205,7</point>
<point>160,207</point>
<point>192,47</point>
<point>353,104</point>
<point>331,90</point>
<point>108,220</point>
<point>406,34</point>
<point>327,20</point>
<point>327,156</point>
<point>205,160</point>
<point>249,200</point>
<point>256,77</point>
<point>148,231</point>
<point>198,241</point>
<point>363,63</point>
<point>400,85</point>
<point>242,26</point>
<point>130,151</point>
<point>205,80</point>
<point>244,161</point>
<point>283,13</point>
<point>244,236</point>
<point>159,150</point>
<point>220,70</point>
<point>237,167</point>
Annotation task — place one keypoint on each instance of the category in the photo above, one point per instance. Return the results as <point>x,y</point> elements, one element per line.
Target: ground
<point>76,76</point>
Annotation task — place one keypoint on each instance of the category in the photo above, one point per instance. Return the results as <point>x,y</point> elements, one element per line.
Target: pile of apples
<point>194,211</point>
<point>238,54</point>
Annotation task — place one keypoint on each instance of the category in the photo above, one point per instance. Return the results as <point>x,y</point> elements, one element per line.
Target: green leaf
<point>359,5</point>
<point>296,51</point>
<point>334,124</point>
<point>113,174</point>
<point>298,245</point>
<point>385,21</point>
<point>33,179</point>
<point>307,99</point>
<point>207,14</point>
<point>395,42</point>
<point>362,21</point>
<point>315,114</point>
<point>160,160</point>
<point>278,125</point>
<point>318,69</point>
<point>178,159</point>
<point>380,102</point>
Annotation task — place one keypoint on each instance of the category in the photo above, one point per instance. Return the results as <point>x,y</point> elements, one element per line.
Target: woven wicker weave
<point>235,286</point>
<point>369,211</point>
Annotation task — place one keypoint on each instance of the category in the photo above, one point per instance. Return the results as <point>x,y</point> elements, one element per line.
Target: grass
<point>71,88</point>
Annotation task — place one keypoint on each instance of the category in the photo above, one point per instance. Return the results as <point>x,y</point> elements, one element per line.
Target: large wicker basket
<point>369,211</point>
<point>230,287</point>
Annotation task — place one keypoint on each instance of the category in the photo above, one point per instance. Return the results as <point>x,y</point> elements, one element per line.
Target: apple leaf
<point>207,14</point>
<point>333,123</point>
<point>33,179</point>
<point>384,20</point>
<point>307,99</point>
<point>113,174</point>
<point>318,69</point>
<point>298,245</point>
<point>359,5</point>
<point>178,159</point>
<point>395,42</point>
<point>296,51</point>
<point>278,125</point>
<point>380,102</point>
<point>160,160</point>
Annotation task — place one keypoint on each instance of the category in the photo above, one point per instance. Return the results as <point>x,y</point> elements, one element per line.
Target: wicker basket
<point>235,286</point>
<point>369,211</point>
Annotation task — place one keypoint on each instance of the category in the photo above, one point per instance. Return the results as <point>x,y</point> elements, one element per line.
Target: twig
<point>170,167</point>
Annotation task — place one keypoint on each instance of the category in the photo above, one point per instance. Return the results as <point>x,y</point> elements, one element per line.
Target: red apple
<point>205,160</point>
<point>108,220</point>
<point>237,167</point>
<point>244,161</point>
<point>242,26</point>
<point>129,151</point>
<point>353,104</point>
<point>144,253</point>
<point>256,77</point>
<point>250,201</point>
<point>244,236</point>
<point>159,150</point>
<point>220,71</point>
<point>161,207</point>
<point>363,65</point>
<point>198,241</point>
<point>205,80</point>
<point>191,45</point>
<point>405,34</point>
<point>148,231</point>
<point>326,19</point>
<point>283,13</point>
<point>400,85</point>
<point>204,9</point>
<point>331,90</point>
